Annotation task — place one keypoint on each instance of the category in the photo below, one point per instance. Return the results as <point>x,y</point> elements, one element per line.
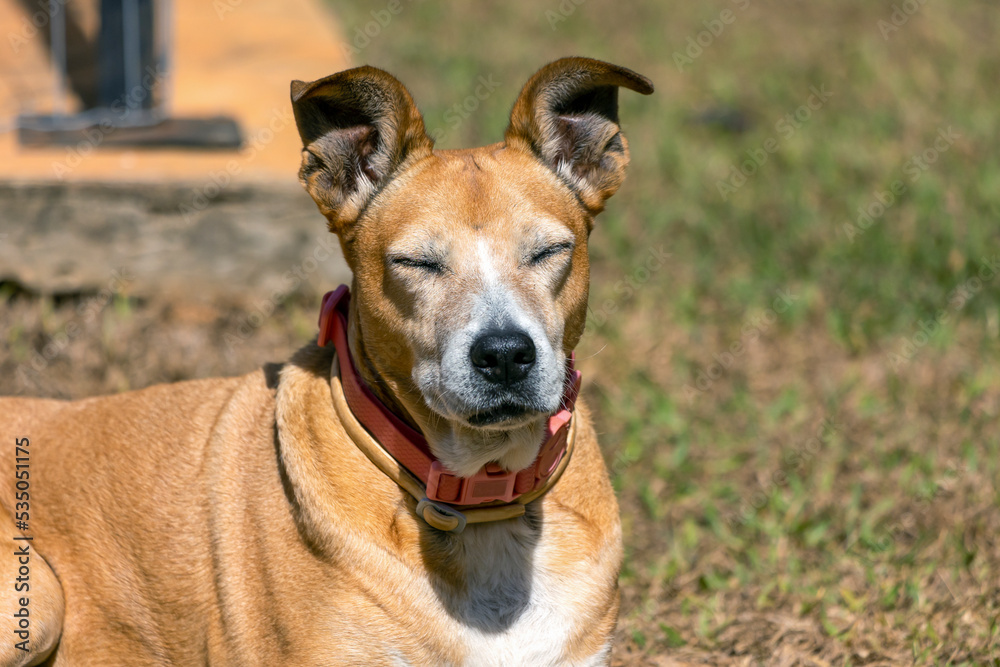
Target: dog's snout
<point>503,357</point>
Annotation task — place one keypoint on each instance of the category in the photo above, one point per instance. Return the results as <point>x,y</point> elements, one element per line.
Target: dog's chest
<point>518,605</point>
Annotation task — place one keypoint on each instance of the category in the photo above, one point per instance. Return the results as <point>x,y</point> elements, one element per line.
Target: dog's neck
<point>384,389</point>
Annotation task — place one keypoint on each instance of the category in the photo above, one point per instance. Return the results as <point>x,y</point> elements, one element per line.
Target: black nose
<point>503,357</point>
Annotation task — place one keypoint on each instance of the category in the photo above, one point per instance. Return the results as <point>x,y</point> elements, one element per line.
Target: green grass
<point>736,518</point>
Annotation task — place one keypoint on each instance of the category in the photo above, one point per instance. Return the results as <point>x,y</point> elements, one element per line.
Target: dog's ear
<point>358,127</point>
<point>567,115</point>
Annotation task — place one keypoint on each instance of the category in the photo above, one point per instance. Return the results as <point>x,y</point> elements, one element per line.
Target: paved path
<point>232,57</point>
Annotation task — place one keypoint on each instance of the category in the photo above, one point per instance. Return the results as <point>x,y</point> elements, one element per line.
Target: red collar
<point>409,447</point>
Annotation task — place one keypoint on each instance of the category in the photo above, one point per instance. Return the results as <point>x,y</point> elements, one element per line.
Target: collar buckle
<point>490,483</point>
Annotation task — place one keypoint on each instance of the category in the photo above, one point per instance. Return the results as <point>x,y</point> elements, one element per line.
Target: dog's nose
<point>503,357</point>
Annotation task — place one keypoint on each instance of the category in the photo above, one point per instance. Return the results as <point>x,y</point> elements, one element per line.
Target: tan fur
<point>234,522</point>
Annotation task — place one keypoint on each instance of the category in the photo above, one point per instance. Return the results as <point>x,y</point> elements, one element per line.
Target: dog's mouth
<point>505,414</point>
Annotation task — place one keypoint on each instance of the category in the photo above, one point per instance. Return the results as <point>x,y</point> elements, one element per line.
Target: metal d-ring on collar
<point>441,516</point>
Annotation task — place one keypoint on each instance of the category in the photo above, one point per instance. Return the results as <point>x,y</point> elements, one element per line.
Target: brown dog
<point>254,521</point>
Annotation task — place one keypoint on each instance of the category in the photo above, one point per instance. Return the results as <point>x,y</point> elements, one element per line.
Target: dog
<point>426,490</point>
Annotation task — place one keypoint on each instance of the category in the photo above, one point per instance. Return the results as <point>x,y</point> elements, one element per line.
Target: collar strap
<point>491,484</point>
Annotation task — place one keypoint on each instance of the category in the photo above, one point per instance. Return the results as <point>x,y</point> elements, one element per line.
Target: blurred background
<point>793,339</point>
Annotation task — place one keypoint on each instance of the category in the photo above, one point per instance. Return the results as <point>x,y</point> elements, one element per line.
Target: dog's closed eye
<point>428,264</point>
<point>551,251</point>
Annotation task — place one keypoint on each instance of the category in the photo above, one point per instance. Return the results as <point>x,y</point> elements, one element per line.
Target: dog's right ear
<point>358,127</point>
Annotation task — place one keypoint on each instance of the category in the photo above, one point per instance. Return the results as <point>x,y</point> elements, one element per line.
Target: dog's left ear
<point>567,115</point>
<point>358,128</point>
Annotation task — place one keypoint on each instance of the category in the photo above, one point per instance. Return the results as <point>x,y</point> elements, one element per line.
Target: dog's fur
<point>233,521</point>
